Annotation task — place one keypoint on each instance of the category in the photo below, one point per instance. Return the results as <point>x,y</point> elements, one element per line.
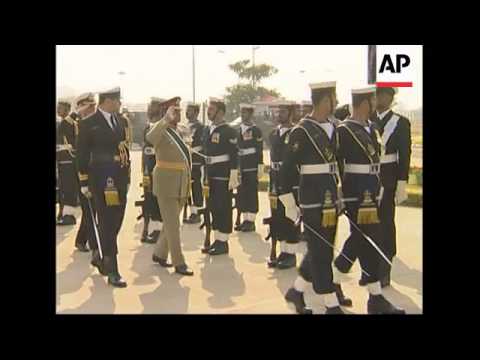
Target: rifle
<point>205,211</point>
<point>272,221</point>
<point>236,196</point>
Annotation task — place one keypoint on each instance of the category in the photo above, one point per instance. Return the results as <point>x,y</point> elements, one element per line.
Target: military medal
<point>111,193</point>
<point>247,135</point>
<point>216,138</point>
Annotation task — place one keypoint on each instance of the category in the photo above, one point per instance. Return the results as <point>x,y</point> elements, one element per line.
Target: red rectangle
<point>394,84</point>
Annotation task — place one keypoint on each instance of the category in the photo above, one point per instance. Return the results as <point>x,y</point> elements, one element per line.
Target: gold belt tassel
<point>367,215</point>
<point>329,217</point>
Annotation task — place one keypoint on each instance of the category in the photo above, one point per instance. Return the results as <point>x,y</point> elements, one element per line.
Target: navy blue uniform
<point>396,140</point>
<point>148,163</point>
<point>221,142</point>
<point>250,145</point>
<point>361,193</point>
<point>285,229</point>
<point>197,130</point>
<point>104,165</point>
<point>309,147</point>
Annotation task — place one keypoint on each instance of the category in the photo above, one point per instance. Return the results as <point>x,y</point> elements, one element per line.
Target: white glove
<point>85,191</point>
<point>260,171</point>
<point>401,193</point>
<point>291,209</point>
<point>233,182</point>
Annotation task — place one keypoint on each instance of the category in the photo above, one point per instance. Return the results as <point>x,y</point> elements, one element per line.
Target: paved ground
<point>239,283</point>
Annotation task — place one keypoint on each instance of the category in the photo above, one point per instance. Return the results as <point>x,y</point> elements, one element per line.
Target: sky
<point>166,70</point>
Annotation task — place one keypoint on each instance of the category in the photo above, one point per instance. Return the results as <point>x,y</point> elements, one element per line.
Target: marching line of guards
<point>324,162</point>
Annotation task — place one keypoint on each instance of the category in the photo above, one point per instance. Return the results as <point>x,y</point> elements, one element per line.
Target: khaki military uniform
<point>171,186</point>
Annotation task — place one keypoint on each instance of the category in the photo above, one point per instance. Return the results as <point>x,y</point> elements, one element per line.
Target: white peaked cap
<point>364,90</point>
<point>323,85</point>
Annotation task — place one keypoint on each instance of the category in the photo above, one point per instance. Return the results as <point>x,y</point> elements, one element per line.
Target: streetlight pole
<point>253,64</point>
<point>193,72</point>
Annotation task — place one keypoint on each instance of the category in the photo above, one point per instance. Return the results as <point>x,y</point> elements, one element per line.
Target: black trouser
<point>86,232</point>
<point>248,192</point>
<point>68,184</point>
<point>110,218</point>
<point>316,266</point>
<point>387,218</point>
<point>220,203</point>
<point>197,195</point>
<point>357,246</point>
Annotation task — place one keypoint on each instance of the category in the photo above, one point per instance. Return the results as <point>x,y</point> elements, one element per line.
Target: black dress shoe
<point>281,257</point>
<point>378,305</point>
<point>82,248</point>
<point>67,220</point>
<point>205,250</point>
<point>239,227</point>
<point>183,270</point>
<point>148,240</point>
<point>219,248</point>
<point>336,310</point>
<point>288,261</point>
<point>193,219</point>
<point>385,281</point>
<point>272,263</point>
<point>153,237</point>
<point>296,297</point>
<point>162,262</point>
<point>344,301</point>
<point>248,226</point>
<point>116,281</point>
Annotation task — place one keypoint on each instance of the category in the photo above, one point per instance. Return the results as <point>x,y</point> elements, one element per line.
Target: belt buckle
<point>208,160</point>
<point>374,169</point>
<point>332,168</point>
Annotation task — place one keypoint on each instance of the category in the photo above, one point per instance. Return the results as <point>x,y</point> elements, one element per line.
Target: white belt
<point>371,169</point>
<point>329,168</point>
<point>220,178</point>
<point>197,164</point>
<point>197,148</point>
<point>247,151</point>
<point>250,169</point>
<point>217,159</point>
<point>64,147</point>
<point>389,158</point>
<point>149,151</point>
<point>276,165</point>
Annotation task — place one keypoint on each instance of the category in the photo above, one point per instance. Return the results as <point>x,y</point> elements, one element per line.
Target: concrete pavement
<point>238,283</point>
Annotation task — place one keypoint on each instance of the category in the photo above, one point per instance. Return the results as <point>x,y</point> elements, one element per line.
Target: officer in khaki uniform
<point>171,184</point>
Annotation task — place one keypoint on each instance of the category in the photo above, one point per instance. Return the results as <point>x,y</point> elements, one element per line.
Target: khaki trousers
<point>169,240</point>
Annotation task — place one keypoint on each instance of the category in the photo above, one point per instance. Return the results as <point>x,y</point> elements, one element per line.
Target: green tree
<point>246,93</point>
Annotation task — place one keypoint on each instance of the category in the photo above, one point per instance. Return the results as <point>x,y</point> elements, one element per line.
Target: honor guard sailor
<point>250,152</point>
<point>221,167</point>
<point>196,130</point>
<point>67,173</point>
<point>86,106</point>
<point>283,229</point>
<point>104,165</point>
<point>358,154</point>
<point>395,133</point>
<point>151,211</point>
<point>312,147</point>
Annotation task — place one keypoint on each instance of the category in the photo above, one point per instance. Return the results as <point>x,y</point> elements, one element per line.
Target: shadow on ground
<point>222,280</point>
<point>170,297</point>
<point>74,275</point>
<point>100,302</point>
